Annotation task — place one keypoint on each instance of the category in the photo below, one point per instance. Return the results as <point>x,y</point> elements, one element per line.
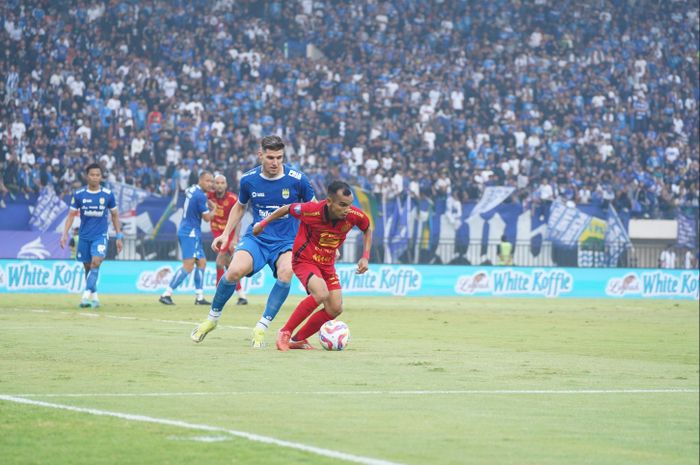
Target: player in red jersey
<point>322,230</point>
<point>224,201</point>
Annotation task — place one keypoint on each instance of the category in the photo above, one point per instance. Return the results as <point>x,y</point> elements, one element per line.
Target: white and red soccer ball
<point>334,335</point>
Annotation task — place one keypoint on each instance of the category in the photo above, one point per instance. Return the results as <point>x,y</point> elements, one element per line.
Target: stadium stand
<point>589,102</point>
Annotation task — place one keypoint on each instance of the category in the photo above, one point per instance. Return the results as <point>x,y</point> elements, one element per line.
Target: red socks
<point>313,325</point>
<point>300,313</point>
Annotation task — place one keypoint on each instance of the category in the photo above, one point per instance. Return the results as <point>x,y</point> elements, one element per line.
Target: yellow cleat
<point>202,330</point>
<point>258,339</point>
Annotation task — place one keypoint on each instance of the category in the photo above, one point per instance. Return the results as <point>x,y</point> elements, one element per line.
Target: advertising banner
<point>122,277</point>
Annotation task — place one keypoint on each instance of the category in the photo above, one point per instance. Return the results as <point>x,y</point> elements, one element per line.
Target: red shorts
<point>304,270</point>
<point>228,246</point>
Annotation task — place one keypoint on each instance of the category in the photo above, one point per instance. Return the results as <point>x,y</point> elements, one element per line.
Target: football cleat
<point>303,345</point>
<point>85,303</point>
<point>258,339</point>
<point>242,301</point>
<point>202,330</point>
<point>201,301</point>
<point>166,300</point>
<point>95,304</point>
<point>283,340</point>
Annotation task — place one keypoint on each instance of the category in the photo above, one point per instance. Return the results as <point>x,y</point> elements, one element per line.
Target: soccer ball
<point>334,335</point>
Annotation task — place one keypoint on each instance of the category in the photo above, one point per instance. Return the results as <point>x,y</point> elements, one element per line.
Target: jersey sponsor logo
<point>329,240</point>
<point>94,213</point>
<point>295,174</point>
<point>285,193</point>
<point>323,259</point>
<point>316,213</point>
<point>257,194</point>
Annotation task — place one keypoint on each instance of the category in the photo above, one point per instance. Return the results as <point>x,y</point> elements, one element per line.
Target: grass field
<point>423,382</point>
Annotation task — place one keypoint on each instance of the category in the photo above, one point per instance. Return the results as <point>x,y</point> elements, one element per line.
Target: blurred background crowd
<point>591,102</point>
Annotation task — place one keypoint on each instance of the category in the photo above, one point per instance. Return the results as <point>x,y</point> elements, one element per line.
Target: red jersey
<point>223,208</point>
<point>319,237</point>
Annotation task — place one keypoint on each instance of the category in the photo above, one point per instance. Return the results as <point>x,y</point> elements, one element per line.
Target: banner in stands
<point>121,277</point>
<point>32,245</point>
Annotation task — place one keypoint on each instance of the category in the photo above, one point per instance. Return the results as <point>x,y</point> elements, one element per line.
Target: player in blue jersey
<point>93,203</point>
<point>265,188</point>
<point>196,208</point>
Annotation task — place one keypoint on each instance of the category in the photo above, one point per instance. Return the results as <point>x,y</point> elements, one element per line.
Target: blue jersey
<point>195,206</point>
<point>267,195</point>
<point>94,208</point>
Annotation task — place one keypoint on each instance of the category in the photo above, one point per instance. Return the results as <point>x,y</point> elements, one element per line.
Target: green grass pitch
<point>440,381</point>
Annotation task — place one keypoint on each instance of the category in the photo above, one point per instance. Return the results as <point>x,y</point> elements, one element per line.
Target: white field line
<point>200,427</point>
<point>116,317</point>
<point>379,393</point>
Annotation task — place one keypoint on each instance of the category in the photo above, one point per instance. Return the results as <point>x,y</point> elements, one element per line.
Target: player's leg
<point>223,258</point>
<point>317,288</point>
<point>199,282</point>
<point>282,270</point>
<point>188,247</point>
<point>83,254</point>
<point>242,264</point>
<point>91,281</point>
<point>332,307</point>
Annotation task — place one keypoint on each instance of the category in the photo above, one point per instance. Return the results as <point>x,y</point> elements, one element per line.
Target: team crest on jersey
<point>102,200</point>
<point>346,227</point>
<point>285,193</point>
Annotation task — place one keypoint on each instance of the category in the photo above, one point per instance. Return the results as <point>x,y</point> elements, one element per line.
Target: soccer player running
<point>92,203</point>
<point>324,227</point>
<point>224,201</point>
<point>266,188</point>
<point>189,235</point>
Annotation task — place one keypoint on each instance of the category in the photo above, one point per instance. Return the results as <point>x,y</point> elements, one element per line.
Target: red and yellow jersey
<point>223,208</point>
<point>319,237</point>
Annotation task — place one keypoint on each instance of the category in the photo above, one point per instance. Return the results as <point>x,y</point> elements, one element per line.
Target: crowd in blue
<point>591,102</point>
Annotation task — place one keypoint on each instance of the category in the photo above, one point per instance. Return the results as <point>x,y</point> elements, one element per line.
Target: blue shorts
<point>191,247</point>
<point>88,248</point>
<point>263,253</point>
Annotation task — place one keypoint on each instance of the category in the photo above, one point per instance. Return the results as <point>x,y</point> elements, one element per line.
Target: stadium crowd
<point>591,102</point>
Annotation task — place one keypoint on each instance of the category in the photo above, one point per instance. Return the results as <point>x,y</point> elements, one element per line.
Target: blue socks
<point>178,278</point>
<point>91,280</point>
<point>277,296</point>
<point>224,291</point>
<point>198,279</point>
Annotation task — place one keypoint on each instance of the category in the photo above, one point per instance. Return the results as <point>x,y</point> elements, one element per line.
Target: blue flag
<point>616,238</point>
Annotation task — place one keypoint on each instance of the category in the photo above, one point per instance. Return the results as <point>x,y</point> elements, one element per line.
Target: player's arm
<point>363,263</point>
<point>279,213</point>
<point>119,235</point>
<point>67,226</point>
<point>234,218</point>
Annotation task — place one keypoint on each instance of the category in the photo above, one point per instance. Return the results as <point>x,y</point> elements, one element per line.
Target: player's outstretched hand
<point>258,228</point>
<point>120,246</point>
<point>63,241</point>
<point>217,243</point>
<point>362,266</point>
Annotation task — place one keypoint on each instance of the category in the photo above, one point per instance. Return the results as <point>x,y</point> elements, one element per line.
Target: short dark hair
<point>336,186</point>
<point>204,173</point>
<point>93,166</point>
<point>273,143</point>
